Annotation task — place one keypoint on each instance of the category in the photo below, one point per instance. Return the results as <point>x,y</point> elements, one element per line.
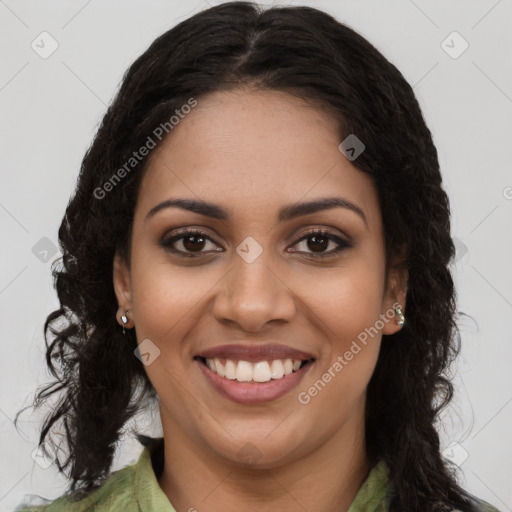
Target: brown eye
<point>187,243</point>
<point>193,243</point>
<point>318,241</point>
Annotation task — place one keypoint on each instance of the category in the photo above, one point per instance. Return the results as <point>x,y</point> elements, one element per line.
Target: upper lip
<point>242,352</point>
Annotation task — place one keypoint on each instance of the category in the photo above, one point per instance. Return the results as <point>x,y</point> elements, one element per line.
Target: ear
<point>122,282</point>
<point>395,294</point>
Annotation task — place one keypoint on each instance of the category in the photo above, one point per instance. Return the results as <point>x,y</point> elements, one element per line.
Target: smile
<point>253,383</point>
<point>261,371</point>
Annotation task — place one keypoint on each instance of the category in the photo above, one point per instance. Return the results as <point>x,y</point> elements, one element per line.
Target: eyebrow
<point>286,213</point>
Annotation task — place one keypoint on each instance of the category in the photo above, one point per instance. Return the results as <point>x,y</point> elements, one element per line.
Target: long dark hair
<point>307,53</point>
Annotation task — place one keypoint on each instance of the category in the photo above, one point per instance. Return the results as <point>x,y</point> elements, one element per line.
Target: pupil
<point>316,238</point>
<point>190,246</point>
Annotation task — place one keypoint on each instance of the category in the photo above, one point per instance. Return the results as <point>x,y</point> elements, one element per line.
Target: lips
<point>254,353</point>
<point>254,381</point>
<point>251,393</point>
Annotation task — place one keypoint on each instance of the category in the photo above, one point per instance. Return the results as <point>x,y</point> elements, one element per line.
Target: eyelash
<point>168,241</point>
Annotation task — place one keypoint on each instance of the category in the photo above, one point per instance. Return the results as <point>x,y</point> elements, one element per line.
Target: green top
<point>135,488</point>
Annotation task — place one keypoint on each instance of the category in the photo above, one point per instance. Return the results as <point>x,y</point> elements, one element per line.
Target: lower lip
<point>254,392</point>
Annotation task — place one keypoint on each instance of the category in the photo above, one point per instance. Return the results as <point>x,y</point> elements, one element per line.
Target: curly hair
<point>309,54</point>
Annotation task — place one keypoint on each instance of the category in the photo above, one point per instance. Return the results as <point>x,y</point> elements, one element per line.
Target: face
<point>256,277</point>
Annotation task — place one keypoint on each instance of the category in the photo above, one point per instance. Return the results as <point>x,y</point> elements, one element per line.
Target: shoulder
<point>115,493</point>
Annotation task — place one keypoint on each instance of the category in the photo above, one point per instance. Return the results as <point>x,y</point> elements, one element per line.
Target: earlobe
<point>122,282</point>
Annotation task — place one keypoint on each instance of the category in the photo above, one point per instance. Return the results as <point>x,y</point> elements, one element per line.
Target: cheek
<point>165,296</point>
<point>347,299</point>
<point>348,304</point>
<point>166,302</point>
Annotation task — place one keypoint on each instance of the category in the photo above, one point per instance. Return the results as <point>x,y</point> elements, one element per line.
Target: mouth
<point>253,372</point>
<point>254,382</point>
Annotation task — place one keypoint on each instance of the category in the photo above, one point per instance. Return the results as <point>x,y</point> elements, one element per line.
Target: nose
<point>253,295</point>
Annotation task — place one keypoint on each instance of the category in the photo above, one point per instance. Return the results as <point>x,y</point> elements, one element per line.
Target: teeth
<point>276,369</point>
<point>262,371</point>
<point>244,371</point>
<point>230,370</point>
<point>219,367</point>
<point>288,366</point>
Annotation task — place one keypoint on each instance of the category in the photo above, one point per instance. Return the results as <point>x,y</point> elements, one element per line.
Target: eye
<point>194,241</point>
<point>318,240</point>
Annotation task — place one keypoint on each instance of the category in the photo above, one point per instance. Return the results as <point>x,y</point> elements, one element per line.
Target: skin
<point>253,152</point>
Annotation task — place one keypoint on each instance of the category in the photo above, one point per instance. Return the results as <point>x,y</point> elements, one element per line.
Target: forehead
<point>253,151</point>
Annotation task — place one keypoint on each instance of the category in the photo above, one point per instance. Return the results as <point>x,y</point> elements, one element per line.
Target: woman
<point>259,241</point>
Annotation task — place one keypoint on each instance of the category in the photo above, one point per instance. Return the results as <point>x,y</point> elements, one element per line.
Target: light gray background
<point>51,108</point>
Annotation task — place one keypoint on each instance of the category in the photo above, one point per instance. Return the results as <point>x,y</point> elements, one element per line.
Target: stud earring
<point>124,319</point>
<point>401,318</point>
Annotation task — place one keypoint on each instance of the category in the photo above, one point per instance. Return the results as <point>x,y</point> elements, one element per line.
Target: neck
<point>196,478</point>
